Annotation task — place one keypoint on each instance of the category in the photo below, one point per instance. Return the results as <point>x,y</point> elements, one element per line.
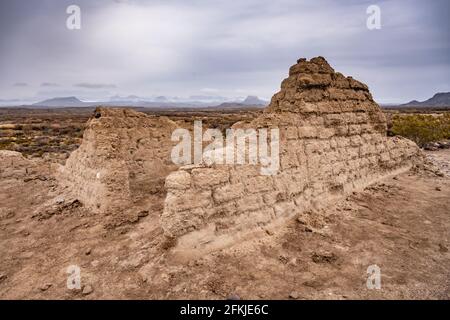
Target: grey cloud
<point>176,48</point>
<point>20,84</point>
<point>95,85</point>
<point>49,84</point>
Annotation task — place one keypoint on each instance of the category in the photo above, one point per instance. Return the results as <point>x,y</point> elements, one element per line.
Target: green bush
<point>421,128</point>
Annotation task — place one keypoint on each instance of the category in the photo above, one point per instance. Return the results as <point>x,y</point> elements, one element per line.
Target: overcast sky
<point>224,48</point>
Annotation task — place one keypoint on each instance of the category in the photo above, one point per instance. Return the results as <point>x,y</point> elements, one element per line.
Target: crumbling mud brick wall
<point>332,141</point>
<point>14,165</point>
<point>123,159</point>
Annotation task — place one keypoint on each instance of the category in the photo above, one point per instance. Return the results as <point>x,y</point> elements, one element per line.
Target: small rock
<point>191,264</point>
<point>442,248</point>
<point>438,189</point>
<point>283,259</point>
<point>88,251</point>
<point>395,178</point>
<point>199,263</point>
<point>3,277</point>
<point>301,220</point>
<point>60,201</point>
<point>143,213</point>
<point>95,263</point>
<point>269,232</point>
<point>294,295</point>
<point>324,257</point>
<point>45,287</point>
<point>312,283</point>
<point>87,290</point>
<point>233,296</point>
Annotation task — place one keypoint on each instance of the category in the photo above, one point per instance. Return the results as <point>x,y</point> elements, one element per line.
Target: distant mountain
<point>254,101</point>
<point>249,102</point>
<point>132,98</point>
<point>208,99</point>
<point>161,99</point>
<point>10,102</point>
<point>116,101</point>
<point>236,105</point>
<point>441,99</point>
<point>156,102</point>
<point>62,102</point>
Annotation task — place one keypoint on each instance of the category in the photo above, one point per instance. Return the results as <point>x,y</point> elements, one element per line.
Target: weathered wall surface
<point>124,158</point>
<point>333,141</point>
<point>14,165</point>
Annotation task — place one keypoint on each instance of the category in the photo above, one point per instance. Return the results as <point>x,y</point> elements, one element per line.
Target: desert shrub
<point>5,145</point>
<point>37,127</point>
<point>421,128</point>
<point>56,130</point>
<point>27,130</point>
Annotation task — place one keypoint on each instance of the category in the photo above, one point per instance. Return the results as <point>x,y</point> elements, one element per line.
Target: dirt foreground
<point>401,225</point>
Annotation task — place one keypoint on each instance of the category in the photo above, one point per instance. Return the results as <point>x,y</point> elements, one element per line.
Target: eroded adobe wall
<point>123,159</point>
<point>333,141</point>
<point>14,165</point>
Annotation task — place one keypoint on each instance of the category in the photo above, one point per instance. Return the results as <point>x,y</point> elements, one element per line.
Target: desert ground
<point>400,224</point>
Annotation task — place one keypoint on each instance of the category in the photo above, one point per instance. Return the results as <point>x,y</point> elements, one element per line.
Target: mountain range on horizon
<point>440,99</point>
<point>62,102</point>
<point>160,101</point>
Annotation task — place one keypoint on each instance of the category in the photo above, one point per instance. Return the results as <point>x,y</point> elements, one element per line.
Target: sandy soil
<point>401,224</point>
